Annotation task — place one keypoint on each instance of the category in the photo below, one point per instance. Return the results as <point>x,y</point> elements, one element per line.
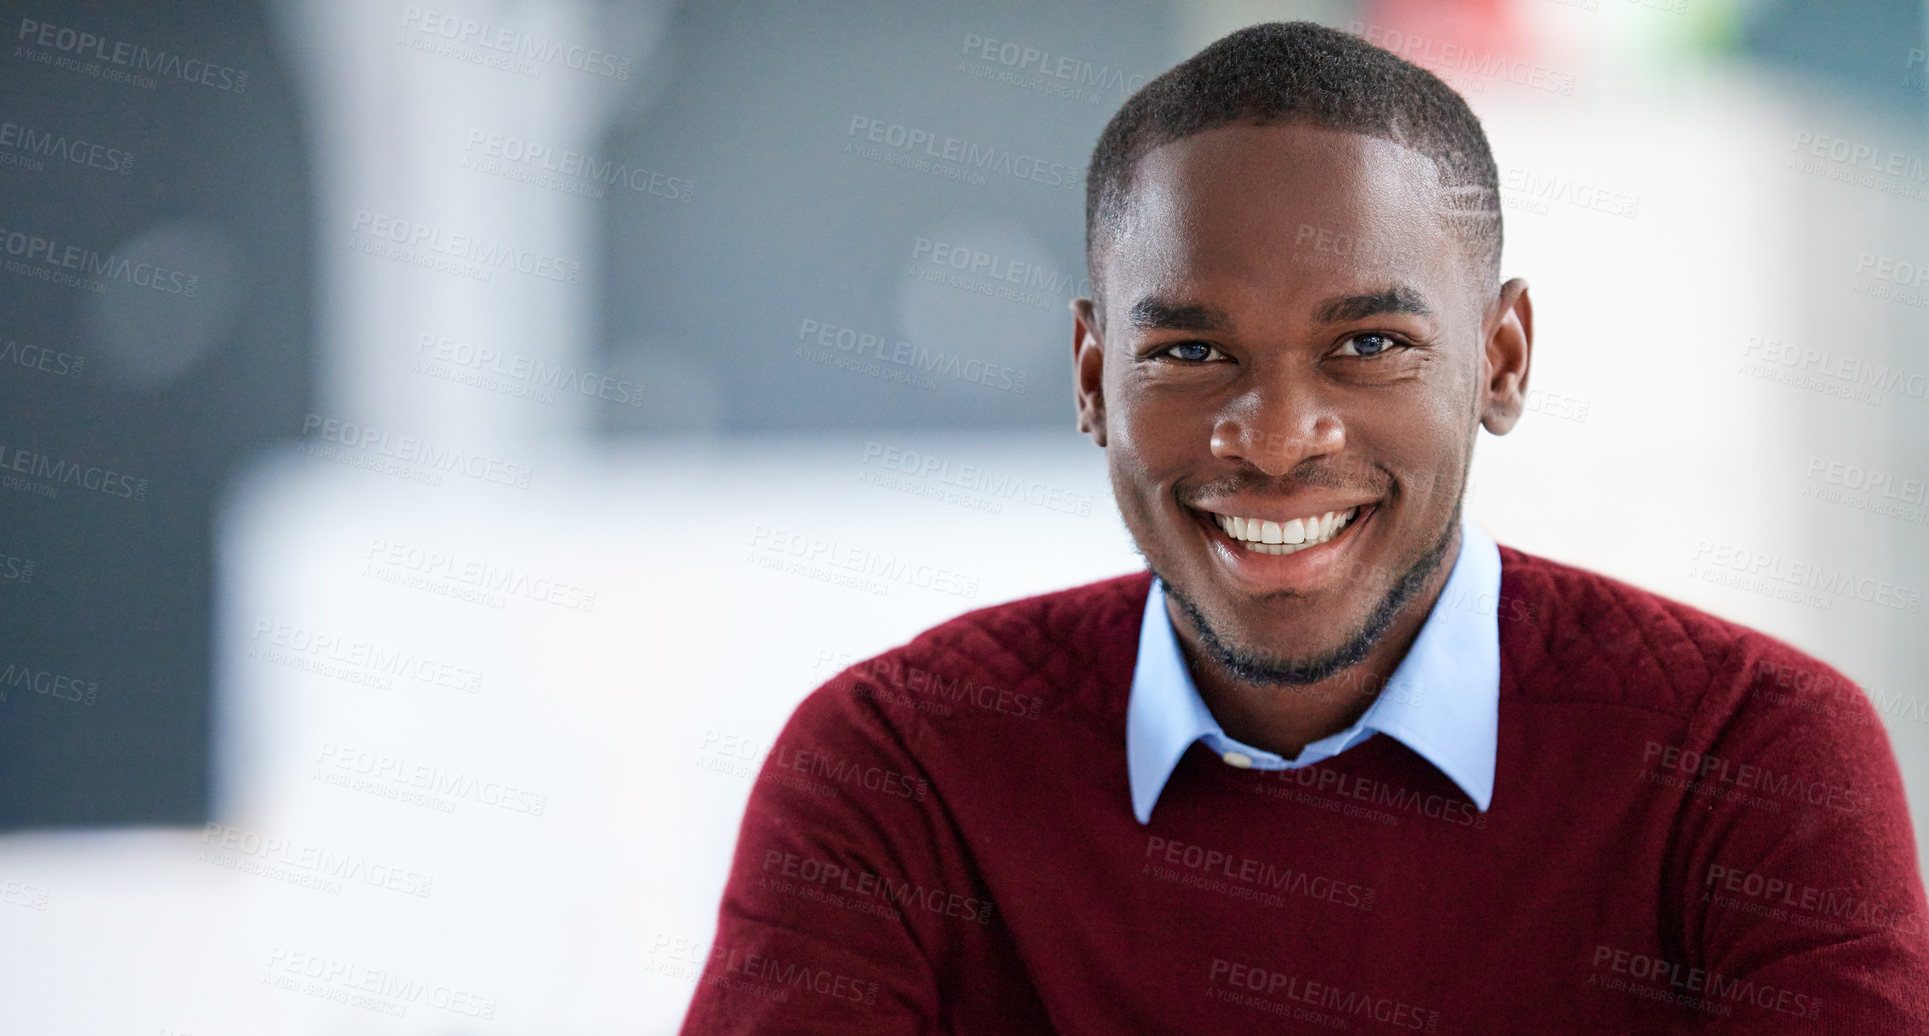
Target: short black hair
<point>1301,72</point>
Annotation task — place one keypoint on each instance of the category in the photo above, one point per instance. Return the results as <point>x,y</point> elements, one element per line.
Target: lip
<point>1302,571</point>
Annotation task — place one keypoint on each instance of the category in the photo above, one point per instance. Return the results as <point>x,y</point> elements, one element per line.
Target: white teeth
<point>1268,537</point>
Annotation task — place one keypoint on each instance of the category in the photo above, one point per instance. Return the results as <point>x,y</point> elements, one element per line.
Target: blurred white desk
<point>452,783</point>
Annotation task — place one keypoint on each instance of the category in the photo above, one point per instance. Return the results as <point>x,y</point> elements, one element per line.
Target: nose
<point>1276,426</point>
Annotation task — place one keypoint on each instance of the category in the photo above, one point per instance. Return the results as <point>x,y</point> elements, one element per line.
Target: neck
<point>1285,719</point>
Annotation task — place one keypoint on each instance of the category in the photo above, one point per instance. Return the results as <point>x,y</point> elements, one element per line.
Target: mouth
<point>1305,554</point>
<point>1263,536</point>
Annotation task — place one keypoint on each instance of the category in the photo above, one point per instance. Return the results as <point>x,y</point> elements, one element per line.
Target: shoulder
<point>1025,658</point>
<point>1571,634</point>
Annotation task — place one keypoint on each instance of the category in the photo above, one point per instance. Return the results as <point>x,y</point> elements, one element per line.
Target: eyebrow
<point>1395,299</point>
<point>1154,313</point>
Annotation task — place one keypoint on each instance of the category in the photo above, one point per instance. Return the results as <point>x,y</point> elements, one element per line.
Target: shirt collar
<point>1442,701</point>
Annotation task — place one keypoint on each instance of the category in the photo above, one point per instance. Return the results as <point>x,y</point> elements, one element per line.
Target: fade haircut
<point>1287,72</point>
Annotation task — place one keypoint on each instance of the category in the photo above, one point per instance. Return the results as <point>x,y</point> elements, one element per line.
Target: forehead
<point>1281,212</point>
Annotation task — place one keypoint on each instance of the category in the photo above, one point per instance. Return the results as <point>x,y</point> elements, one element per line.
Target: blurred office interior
<point>487,419</point>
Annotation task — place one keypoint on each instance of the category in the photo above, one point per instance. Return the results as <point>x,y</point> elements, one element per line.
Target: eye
<point>1368,345</point>
<point>1191,352</point>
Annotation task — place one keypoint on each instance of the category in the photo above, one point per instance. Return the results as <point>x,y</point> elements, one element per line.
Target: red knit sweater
<point>1695,828</point>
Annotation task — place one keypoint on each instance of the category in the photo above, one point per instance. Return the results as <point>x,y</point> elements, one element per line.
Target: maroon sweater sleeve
<point>847,883</point>
<point>1804,908</point>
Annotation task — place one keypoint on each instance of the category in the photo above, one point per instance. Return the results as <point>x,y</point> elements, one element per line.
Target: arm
<point>819,931</point>
<point>1805,906</point>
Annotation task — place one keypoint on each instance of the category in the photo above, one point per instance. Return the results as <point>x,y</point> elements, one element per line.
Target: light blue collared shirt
<point>1443,700</point>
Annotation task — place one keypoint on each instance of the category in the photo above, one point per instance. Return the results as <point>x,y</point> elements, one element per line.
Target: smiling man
<point>1337,760</point>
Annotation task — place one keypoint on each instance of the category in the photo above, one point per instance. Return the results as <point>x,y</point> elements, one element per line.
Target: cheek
<point>1145,435</point>
<point>1444,421</point>
<point>1149,449</point>
<point>1432,455</point>
<point>1134,473</point>
<point>1137,497</point>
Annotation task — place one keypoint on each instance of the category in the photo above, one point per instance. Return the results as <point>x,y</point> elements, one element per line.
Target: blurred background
<point>443,441</point>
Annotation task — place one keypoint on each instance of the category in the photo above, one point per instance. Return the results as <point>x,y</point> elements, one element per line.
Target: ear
<point>1088,369</point>
<point>1509,347</point>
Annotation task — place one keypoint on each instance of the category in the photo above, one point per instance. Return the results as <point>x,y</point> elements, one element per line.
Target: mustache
<point>1368,481</point>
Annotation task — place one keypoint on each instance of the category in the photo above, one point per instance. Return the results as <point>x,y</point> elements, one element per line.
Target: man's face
<point>1291,361</point>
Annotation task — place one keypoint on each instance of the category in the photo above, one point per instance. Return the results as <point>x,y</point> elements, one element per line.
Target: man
<point>1337,761</point>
